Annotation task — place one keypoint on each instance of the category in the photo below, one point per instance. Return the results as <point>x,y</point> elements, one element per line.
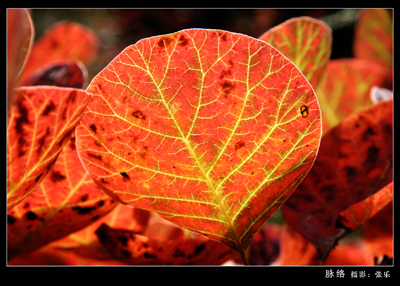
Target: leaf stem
<point>244,256</point>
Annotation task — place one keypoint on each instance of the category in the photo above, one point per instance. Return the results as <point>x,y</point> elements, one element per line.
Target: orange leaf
<point>40,124</point>
<point>63,41</point>
<point>213,130</point>
<point>67,200</point>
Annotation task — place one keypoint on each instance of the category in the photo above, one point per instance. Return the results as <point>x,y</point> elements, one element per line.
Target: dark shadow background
<point>119,28</point>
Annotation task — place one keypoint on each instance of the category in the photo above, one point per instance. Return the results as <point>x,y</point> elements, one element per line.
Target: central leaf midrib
<point>208,180</point>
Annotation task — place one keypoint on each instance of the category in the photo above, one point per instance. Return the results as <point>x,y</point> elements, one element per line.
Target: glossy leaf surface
<point>67,200</point>
<point>305,41</point>
<point>63,41</point>
<point>360,212</point>
<point>212,130</point>
<point>345,88</point>
<point>40,124</point>
<point>354,162</point>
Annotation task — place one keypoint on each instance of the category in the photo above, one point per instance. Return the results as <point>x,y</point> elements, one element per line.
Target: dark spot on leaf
<point>239,144</point>
<point>22,118</point>
<point>66,137</point>
<point>143,155</point>
<point>11,220</point>
<point>164,42</point>
<point>56,176</point>
<point>49,107</point>
<point>330,197</point>
<point>227,87</point>
<point>93,128</point>
<point>304,111</point>
<point>222,35</point>
<point>139,114</point>
<point>100,203</point>
<point>125,253</point>
<point>149,256</point>
<point>123,239</point>
<point>372,155</point>
<point>83,211</point>
<point>328,188</point>
<point>182,41</point>
<point>178,253</point>
<point>72,97</point>
<point>307,198</point>
<point>104,181</point>
<point>84,198</point>
<point>95,218</point>
<point>98,157</point>
<point>351,173</point>
<point>125,176</point>
<point>31,216</point>
<point>367,133</point>
<point>41,141</point>
<point>38,178</point>
<point>199,249</point>
<point>224,73</point>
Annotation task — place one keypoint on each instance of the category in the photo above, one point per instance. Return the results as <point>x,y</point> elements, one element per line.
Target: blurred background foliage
<point>119,28</point>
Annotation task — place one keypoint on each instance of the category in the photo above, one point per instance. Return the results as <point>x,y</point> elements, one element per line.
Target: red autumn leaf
<point>64,41</point>
<point>67,200</point>
<point>212,130</point>
<point>345,88</point>
<point>137,249</point>
<point>20,34</point>
<point>354,162</point>
<point>373,38</point>
<point>306,41</point>
<point>358,213</point>
<point>39,125</point>
<point>65,74</point>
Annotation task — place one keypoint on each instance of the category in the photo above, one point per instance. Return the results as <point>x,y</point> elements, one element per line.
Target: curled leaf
<point>212,130</point>
<point>359,213</point>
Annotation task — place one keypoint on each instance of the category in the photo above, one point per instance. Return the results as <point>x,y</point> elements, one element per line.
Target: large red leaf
<point>213,130</point>
<point>39,125</point>
<point>20,34</point>
<point>67,200</point>
<point>354,162</point>
<point>63,41</point>
<point>305,41</point>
